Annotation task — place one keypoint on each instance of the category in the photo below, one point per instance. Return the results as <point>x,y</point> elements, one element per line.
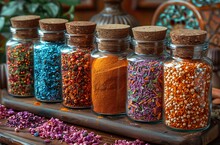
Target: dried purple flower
<point>4,112</point>
<point>47,140</point>
<point>56,129</point>
<point>24,120</point>
<point>52,129</point>
<point>125,142</point>
<point>82,137</point>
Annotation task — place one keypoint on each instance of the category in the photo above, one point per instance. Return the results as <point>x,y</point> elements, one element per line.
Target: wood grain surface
<point>120,125</point>
<point>23,137</point>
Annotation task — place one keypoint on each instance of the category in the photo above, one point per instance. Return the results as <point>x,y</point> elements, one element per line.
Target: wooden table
<point>120,125</point>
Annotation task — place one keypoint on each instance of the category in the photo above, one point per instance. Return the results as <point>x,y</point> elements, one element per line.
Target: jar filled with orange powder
<point>187,82</point>
<point>109,69</point>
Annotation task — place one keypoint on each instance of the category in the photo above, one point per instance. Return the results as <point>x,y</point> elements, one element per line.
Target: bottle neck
<point>189,51</point>
<point>113,45</point>
<point>80,40</point>
<point>24,33</point>
<point>149,47</point>
<point>113,7</point>
<point>52,36</point>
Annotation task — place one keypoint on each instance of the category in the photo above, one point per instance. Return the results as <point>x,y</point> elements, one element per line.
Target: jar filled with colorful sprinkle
<point>145,74</point>
<point>75,64</point>
<point>19,55</point>
<point>187,82</point>
<point>47,60</point>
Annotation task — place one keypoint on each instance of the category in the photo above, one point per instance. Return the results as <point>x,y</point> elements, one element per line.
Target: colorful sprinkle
<point>145,89</point>
<point>20,69</point>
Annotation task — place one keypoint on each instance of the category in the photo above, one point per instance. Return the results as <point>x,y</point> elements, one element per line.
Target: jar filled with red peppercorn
<point>187,82</point>
<point>145,74</point>
<point>75,64</point>
<point>20,55</point>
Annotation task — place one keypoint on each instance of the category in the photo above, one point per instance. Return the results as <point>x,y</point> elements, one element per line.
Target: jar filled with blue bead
<point>47,60</point>
<point>19,50</point>
<point>145,74</point>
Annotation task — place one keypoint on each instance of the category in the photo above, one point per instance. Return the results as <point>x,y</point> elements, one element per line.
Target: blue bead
<point>47,71</point>
<point>36,134</point>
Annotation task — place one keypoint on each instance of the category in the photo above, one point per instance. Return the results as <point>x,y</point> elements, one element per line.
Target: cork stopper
<point>55,25</point>
<point>112,33</point>
<point>113,0</point>
<point>188,36</point>
<point>149,33</point>
<point>25,27</point>
<point>28,21</point>
<point>52,24</point>
<point>83,33</point>
<point>188,39</point>
<point>80,27</point>
<point>151,37</point>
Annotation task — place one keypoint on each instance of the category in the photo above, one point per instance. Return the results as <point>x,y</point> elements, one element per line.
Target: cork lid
<point>113,0</point>
<point>149,33</point>
<point>52,24</point>
<point>113,31</point>
<point>214,55</point>
<point>188,36</point>
<point>80,27</point>
<point>26,21</point>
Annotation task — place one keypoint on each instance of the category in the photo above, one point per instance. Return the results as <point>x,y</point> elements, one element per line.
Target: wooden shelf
<point>120,125</point>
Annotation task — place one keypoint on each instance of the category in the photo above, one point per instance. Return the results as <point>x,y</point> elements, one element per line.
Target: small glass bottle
<point>109,69</point>
<point>145,74</point>
<point>47,60</point>
<point>75,64</point>
<point>19,53</point>
<point>187,82</point>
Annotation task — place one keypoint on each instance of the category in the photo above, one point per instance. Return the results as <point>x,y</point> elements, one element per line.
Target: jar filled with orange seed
<point>187,82</point>
<point>75,64</point>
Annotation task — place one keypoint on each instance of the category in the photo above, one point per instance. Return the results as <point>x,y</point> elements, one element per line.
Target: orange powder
<point>109,85</point>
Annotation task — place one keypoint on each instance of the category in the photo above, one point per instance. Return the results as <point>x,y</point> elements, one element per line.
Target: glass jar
<point>47,60</point>
<point>145,74</point>
<point>187,82</point>
<point>75,64</point>
<point>109,69</point>
<point>19,55</point>
<point>214,55</point>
